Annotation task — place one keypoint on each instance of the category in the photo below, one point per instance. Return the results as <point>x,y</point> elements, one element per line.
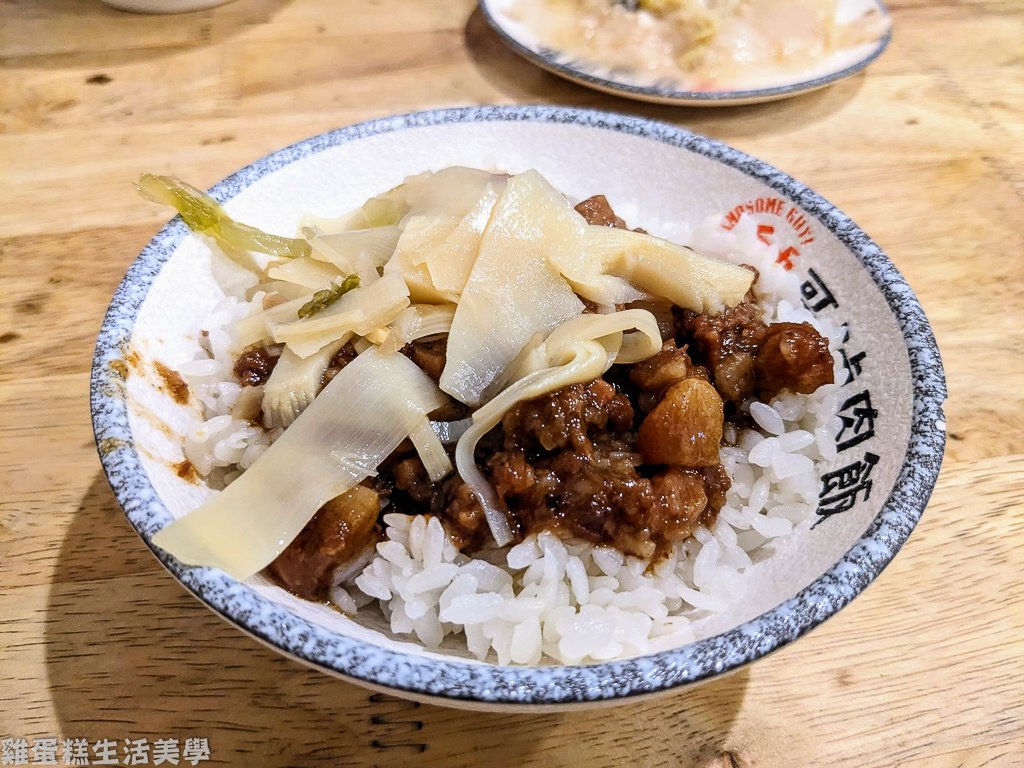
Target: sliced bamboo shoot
<point>679,274</point>
<point>357,421</point>
<point>512,292</point>
<point>360,311</point>
<point>306,272</point>
<point>344,250</point>
<point>431,451</point>
<point>294,383</point>
<point>417,322</point>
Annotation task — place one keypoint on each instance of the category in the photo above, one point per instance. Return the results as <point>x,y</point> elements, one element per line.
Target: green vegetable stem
<point>204,215</point>
<point>323,299</point>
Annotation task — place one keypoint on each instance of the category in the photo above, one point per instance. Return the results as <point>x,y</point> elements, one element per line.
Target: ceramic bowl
<point>889,451</point>
<point>164,6</point>
<point>506,20</point>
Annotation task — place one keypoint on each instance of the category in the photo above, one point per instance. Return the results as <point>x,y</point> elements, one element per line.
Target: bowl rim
<point>548,59</point>
<point>464,681</point>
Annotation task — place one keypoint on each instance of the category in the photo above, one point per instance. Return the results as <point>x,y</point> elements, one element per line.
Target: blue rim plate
<point>666,93</point>
<point>458,682</point>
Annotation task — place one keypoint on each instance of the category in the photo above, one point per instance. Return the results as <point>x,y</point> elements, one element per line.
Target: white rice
<point>547,597</point>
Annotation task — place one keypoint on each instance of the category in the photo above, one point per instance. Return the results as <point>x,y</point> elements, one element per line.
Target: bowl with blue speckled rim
<point>513,28</point>
<point>874,492</point>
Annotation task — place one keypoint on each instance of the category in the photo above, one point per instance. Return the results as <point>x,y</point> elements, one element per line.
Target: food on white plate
<point>707,45</point>
<point>503,418</point>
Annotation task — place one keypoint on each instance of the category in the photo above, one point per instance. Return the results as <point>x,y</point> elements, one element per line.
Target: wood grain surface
<point>925,151</point>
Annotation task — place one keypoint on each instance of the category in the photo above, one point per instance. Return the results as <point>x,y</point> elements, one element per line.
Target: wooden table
<point>926,152</point>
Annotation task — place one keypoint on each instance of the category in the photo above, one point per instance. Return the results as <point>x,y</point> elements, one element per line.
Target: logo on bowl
<point>780,224</point>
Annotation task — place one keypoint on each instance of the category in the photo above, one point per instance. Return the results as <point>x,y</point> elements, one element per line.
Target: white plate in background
<point>631,84</point>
